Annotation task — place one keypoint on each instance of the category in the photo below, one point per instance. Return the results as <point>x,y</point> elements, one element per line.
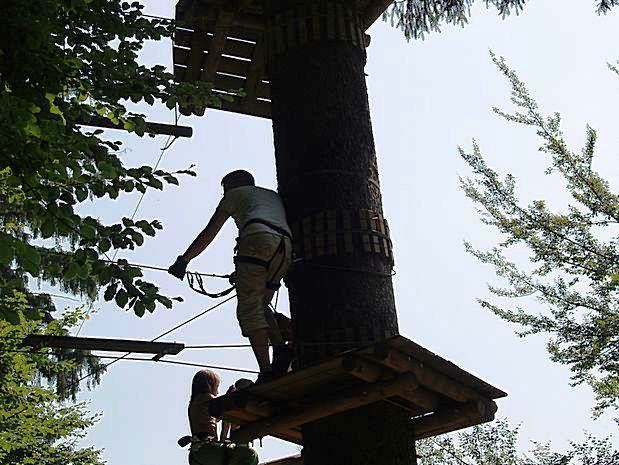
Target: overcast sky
<point>427,98</point>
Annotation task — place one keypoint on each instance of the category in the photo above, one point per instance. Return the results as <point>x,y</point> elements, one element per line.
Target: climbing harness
<point>196,281</point>
<point>198,442</point>
<point>281,250</point>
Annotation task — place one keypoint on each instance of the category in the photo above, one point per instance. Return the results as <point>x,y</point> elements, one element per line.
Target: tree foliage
<point>62,63</point>
<point>36,427</point>
<point>574,253</point>
<point>416,18</point>
<point>496,444</point>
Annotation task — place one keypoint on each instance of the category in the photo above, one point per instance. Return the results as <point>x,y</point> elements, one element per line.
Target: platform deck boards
<point>439,395</point>
<point>240,61</point>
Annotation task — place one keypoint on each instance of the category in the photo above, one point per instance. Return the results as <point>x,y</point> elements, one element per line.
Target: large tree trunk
<point>326,162</point>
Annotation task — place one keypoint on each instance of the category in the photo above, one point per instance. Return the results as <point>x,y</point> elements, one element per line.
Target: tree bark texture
<point>326,161</point>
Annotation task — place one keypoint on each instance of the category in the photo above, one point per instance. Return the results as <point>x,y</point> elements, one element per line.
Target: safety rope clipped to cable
<point>196,283</point>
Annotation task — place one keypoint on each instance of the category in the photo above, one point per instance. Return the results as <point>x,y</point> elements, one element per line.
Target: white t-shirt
<point>248,202</point>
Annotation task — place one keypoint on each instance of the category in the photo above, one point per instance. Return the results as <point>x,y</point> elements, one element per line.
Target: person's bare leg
<point>259,341</point>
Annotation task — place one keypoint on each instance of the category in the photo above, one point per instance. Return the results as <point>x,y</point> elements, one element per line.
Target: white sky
<point>426,97</point>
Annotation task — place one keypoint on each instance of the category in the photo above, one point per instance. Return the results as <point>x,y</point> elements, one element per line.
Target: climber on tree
<point>205,447</point>
<point>264,251</point>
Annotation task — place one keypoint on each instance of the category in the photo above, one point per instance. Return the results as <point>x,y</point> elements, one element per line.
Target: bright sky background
<point>426,97</point>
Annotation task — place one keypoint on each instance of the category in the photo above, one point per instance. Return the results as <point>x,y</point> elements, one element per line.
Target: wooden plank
<point>374,227</point>
<point>315,21</point>
<point>216,47</point>
<point>257,108</point>
<point>232,83</point>
<point>364,224</point>
<point>347,224</point>
<point>151,128</point>
<point>199,40</point>
<point>423,398</point>
<point>331,232</point>
<point>331,15</point>
<point>241,417</point>
<point>445,421</point>
<point>303,16</point>
<point>226,64</point>
<point>385,241</point>
<point>341,22</point>
<point>104,344</point>
<point>425,375</point>
<point>319,231</point>
<point>297,383</point>
<point>362,369</point>
<point>246,26</point>
<point>445,367</point>
<point>355,398</point>
<point>255,71</point>
<point>182,38</point>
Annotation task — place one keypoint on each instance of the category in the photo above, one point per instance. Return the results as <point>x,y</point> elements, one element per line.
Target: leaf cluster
<point>35,425</point>
<point>573,253</point>
<point>63,63</point>
<point>417,18</point>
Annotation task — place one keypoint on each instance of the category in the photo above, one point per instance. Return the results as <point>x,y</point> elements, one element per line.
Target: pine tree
<point>416,18</point>
<point>36,425</point>
<point>63,63</point>
<point>573,251</point>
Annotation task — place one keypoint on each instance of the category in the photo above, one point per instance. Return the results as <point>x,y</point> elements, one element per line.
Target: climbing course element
<point>229,44</point>
<point>160,349</point>
<point>161,129</point>
<point>342,232</point>
<point>440,396</point>
<point>217,43</point>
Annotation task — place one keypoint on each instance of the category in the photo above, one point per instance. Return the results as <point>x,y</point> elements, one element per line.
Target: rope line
<point>138,359</point>
<point>194,317</point>
<point>225,346</point>
<point>159,268</point>
<point>125,356</point>
<point>168,143</point>
<point>299,344</point>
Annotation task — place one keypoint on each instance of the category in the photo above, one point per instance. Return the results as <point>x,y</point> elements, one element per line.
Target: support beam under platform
<point>362,395</point>
<point>440,396</point>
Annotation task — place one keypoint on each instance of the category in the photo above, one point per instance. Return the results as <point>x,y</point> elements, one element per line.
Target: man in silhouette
<point>263,255</point>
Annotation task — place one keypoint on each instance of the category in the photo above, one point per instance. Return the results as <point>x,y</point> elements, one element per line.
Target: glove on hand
<point>179,268</point>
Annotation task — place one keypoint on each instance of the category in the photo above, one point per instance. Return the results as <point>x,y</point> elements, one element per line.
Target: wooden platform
<point>222,42</point>
<point>440,396</point>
